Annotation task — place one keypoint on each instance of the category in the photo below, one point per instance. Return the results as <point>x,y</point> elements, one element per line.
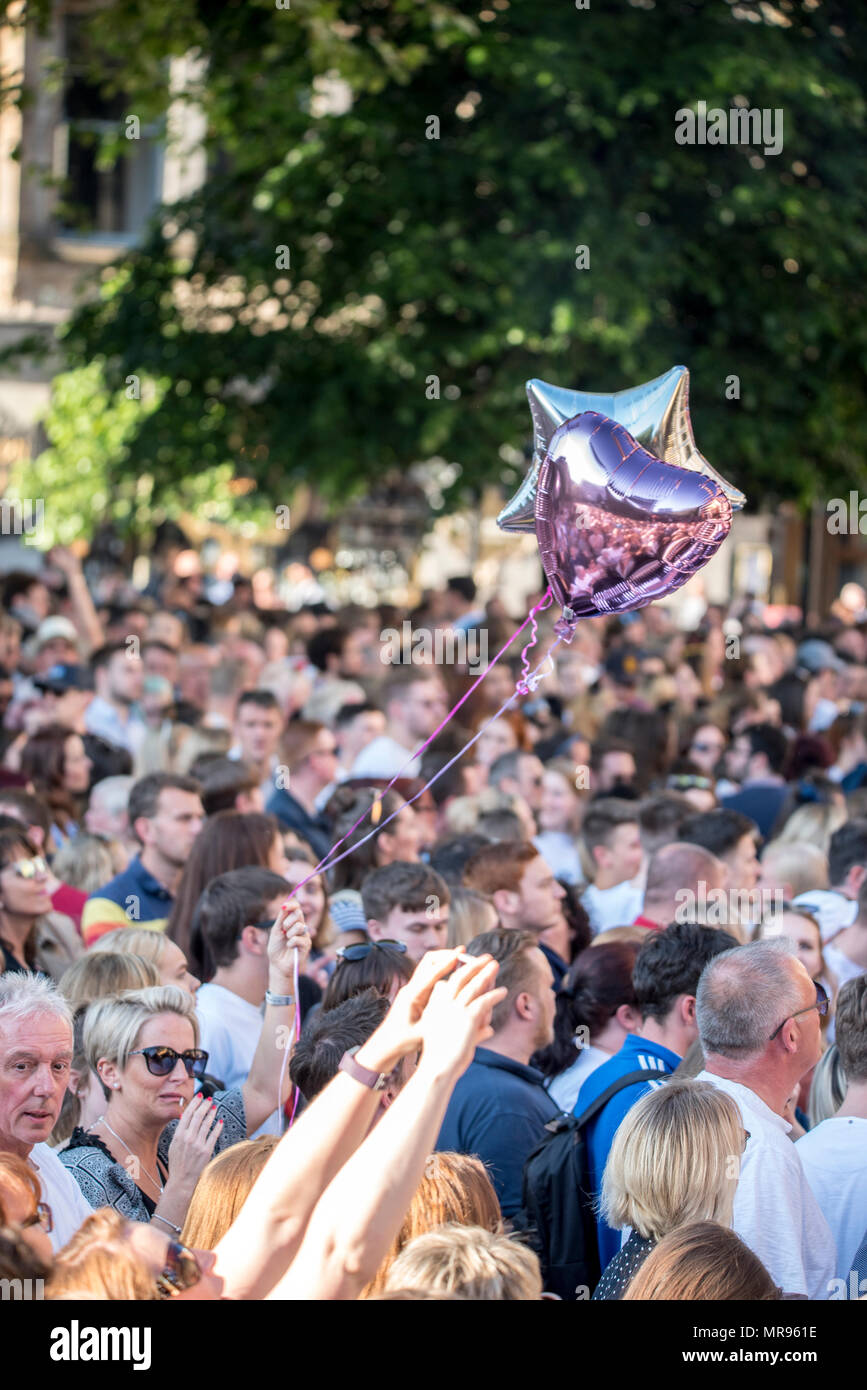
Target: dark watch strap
<point>374,1080</point>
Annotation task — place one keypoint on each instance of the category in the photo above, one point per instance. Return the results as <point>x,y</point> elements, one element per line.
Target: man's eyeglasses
<point>821,1003</point>
<point>182,1270</point>
<point>29,868</point>
<point>41,1217</point>
<point>161,1061</point>
<point>364,948</point>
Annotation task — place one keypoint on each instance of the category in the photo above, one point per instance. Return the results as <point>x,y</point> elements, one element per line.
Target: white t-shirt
<point>775,1212</point>
<point>229,1030</point>
<point>834,1158</point>
<point>564,1089</point>
<point>844,968</point>
<point>62,1193</point>
<point>560,854</point>
<point>612,907</point>
<point>385,757</point>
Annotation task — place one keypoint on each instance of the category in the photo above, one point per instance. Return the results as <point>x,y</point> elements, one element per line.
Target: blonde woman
<point>152,946</point>
<point>675,1160</point>
<point>828,1090</point>
<point>145,1153</point>
<point>94,976</point>
<point>815,822</point>
<point>793,867</point>
<point>112,1259</point>
<point>98,974</point>
<point>470,914</point>
<point>87,862</point>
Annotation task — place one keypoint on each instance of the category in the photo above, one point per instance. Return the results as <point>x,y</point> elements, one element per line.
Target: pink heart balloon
<point>618,527</point>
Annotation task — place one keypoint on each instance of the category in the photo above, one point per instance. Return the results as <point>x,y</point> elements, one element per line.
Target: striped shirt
<point>133,898</point>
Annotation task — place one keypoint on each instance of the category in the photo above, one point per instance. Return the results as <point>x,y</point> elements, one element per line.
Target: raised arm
<point>360,1213</point>
<point>86,617</point>
<point>267,1233</point>
<point>260,1090</point>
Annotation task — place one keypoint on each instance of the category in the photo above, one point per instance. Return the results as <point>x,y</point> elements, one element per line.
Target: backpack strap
<point>631,1079</point>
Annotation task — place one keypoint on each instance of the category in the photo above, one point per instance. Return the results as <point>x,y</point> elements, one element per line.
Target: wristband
<point>279,1001</point>
<point>374,1080</point>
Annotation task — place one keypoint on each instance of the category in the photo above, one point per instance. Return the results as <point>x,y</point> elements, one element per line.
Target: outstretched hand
<point>400,1031</point>
<point>457,1017</point>
<point>438,996</point>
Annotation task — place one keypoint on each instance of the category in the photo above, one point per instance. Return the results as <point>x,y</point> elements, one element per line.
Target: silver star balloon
<point>656,414</point>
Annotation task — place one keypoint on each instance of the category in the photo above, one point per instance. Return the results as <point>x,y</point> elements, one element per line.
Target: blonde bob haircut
<point>222,1190</point>
<point>675,1160</point>
<point>112,1026</point>
<point>470,1262</point>
<point>94,976</point>
<point>150,945</point>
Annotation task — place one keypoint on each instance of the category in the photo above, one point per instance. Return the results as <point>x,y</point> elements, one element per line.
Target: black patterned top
<point>619,1271</point>
<point>106,1183</point>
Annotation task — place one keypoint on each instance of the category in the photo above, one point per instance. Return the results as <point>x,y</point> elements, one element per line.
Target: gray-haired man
<point>758,1020</point>
<point>35,1059</point>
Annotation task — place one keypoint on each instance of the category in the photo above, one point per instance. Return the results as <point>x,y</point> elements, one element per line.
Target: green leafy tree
<point>372,270</point>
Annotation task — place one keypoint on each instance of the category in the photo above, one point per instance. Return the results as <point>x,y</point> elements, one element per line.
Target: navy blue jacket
<point>498,1111</point>
<point>316,830</point>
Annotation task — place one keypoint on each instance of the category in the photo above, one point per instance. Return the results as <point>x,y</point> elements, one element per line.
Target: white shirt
<point>612,907</point>
<point>775,1211</point>
<point>844,968</point>
<point>102,719</point>
<point>229,1031</point>
<point>560,853</point>
<point>564,1089</point>
<point>834,1158</point>
<point>385,757</point>
<point>62,1193</point>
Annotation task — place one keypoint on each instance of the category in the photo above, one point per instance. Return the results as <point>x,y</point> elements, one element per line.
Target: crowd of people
<point>577,1007</point>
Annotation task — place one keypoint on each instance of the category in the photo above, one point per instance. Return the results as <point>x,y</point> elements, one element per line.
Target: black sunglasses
<point>821,1003</point>
<point>182,1270</point>
<point>161,1061</point>
<point>364,948</point>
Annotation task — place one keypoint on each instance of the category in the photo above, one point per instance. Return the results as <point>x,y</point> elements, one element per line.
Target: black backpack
<point>557,1214</point>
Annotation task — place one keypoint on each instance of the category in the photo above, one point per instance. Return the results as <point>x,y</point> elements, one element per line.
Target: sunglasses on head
<point>161,1061</point>
<point>364,948</point>
<point>29,868</point>
<point>182,1270</point>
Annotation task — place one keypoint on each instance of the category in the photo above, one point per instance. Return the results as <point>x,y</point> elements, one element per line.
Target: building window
<point>114,202</point>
